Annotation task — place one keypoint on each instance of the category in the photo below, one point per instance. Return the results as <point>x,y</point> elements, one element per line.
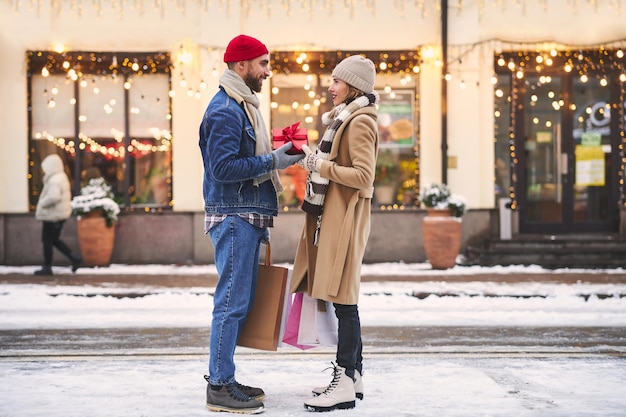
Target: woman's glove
<point>282,159</point>
<point>311,161</point>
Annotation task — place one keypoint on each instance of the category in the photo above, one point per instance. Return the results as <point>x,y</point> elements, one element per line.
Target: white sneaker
<point>358,386</point>
<point>338,395</point>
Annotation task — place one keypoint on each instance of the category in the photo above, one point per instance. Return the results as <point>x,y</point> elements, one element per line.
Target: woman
<point>53,208</point>
<point>338,205</point>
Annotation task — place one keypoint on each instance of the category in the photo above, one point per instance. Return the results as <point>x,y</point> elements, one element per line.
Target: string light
<point>602,63</point>
<point>321,62</point>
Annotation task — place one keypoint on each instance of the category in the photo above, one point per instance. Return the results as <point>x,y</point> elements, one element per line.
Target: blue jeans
<point>237,247</point>
<point>349,346</point>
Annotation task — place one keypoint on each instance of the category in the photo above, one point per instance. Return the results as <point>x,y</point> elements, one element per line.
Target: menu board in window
<point>396,118</point>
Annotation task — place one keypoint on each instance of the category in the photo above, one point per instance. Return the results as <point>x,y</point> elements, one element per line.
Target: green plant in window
<point>386,169</point>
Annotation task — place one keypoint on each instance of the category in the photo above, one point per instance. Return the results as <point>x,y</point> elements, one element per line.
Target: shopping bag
<point>263,323</point>
<point>318,323</point>
<point>286,308</point>
<point>292,323</point>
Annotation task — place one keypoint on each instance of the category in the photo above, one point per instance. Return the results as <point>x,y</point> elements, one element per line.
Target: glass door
<point>566,166</point>
<point>593,174</point>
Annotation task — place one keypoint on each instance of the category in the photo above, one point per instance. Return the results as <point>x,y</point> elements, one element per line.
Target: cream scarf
<point>237,89</point>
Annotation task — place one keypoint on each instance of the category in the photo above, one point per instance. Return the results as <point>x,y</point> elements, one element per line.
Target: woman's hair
<point>353,93</point>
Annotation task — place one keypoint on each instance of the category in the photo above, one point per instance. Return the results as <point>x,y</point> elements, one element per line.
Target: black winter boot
<point>77,262</point>
<point>45,270</point>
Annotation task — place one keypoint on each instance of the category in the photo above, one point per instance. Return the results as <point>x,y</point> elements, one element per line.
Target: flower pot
<point>95,240</point>
<point>442,238</point>
<point>384,194</point>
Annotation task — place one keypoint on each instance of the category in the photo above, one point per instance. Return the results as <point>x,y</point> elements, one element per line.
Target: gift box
<point>293,134</point>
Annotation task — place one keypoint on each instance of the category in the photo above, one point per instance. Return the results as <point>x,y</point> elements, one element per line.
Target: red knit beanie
<point>244,48</point>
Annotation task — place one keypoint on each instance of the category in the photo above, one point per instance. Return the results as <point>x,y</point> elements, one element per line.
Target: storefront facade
<point>122,88</point>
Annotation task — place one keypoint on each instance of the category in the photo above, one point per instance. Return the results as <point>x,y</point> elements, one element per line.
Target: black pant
<point>50,236</point>
<point>349,346</point>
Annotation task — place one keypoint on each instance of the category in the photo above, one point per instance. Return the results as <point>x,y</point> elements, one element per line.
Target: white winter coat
<point>55,199</point>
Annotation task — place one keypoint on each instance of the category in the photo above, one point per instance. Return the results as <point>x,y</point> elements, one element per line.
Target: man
<point>241,187</point>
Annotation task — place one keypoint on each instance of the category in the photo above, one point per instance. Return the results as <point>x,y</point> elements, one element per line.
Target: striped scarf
<point>316,185</point>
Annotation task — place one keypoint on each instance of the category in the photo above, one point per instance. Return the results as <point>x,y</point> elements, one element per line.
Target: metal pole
<point>444,92</point>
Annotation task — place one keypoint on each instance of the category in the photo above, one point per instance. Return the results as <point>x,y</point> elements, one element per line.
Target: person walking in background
<point>338,208</point>
<point>240,189</point>
<point>53,208</point>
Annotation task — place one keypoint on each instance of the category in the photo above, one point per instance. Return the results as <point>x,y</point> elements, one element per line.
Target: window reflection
<point>109,114</point>
<point>303,97</point>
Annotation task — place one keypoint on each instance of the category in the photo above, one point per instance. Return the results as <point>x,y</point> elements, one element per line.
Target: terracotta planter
<point>442,238</point>
<point>384,194</point>
<point>95,240</point>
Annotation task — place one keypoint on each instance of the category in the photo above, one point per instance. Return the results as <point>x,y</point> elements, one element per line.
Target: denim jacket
<point>228,144</point>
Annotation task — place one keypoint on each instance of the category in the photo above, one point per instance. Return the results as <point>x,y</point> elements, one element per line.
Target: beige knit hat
<point>357,71</point>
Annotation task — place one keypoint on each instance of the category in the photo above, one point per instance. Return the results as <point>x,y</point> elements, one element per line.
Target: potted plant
<point>441,229</point>
<point>96,213</point>
<point>386,179</point>
<point>439,197</point>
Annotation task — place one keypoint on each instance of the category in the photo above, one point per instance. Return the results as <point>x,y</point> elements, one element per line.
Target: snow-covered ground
<point>382,303</point>
<point>397,383</point>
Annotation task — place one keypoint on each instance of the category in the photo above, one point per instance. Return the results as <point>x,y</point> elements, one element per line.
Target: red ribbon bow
<point>290,131</point>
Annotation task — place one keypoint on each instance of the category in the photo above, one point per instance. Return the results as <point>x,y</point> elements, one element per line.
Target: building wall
<point>178,238</point>
<point>476,31</point>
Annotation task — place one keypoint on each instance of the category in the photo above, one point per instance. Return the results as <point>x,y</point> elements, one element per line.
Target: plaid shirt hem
<point>255,219</point>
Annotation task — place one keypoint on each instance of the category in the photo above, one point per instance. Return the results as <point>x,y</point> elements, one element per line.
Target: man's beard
<point>255,84</point>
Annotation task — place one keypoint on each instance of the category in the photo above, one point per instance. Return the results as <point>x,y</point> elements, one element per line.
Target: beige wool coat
<point>331,271</point>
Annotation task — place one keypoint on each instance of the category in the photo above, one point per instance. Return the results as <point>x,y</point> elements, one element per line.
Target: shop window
<point>106,114</point>
<point>299,94</point>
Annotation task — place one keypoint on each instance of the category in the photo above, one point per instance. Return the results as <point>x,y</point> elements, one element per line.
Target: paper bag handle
<point>268,254</point>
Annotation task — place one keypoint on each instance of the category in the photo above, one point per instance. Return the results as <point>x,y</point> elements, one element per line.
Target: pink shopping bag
<point>292,324</point>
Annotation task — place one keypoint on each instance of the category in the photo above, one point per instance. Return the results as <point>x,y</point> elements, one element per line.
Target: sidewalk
<point>206,275</point>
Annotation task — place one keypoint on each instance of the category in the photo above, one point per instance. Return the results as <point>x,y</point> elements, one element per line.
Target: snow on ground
<point>383,303</point>
<point>396,385</point>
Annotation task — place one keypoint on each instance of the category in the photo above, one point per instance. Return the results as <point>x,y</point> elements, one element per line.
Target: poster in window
<point>589,166</point>
<point>395,118</point>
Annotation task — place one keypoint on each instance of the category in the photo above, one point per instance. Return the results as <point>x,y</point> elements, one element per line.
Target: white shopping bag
<point>318,323</point>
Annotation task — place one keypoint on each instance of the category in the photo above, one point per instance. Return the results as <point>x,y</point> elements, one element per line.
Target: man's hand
<point>282,159</point>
